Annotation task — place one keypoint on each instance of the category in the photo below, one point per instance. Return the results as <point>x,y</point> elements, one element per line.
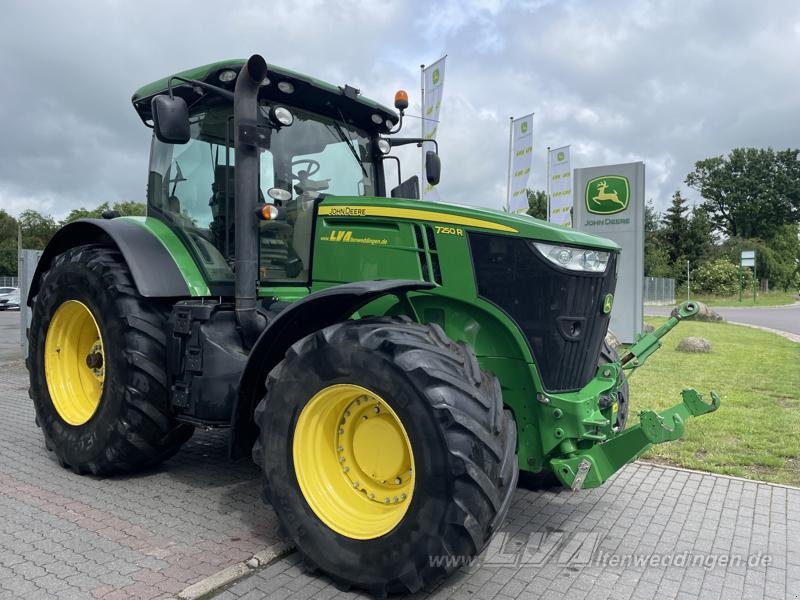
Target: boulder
<point>695,345</point>
<point>704,314</point>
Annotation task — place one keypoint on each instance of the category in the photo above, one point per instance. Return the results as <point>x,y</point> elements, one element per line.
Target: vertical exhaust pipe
<point>246,175</point>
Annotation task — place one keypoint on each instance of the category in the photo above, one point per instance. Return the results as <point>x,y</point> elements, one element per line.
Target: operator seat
<point>221,205</point>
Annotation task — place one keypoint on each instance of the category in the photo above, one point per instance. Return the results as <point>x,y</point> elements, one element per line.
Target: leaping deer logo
<point>604,196</point>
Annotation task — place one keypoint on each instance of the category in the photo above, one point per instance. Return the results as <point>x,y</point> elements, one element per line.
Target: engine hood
<point>469,217</point>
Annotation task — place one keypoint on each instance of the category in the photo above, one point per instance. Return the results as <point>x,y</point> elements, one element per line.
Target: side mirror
<point>433,167</point>
<point>170,119</point>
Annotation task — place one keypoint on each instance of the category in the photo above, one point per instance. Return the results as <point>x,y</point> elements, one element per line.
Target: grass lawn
<point>756,431</point>
<point>763,299</point>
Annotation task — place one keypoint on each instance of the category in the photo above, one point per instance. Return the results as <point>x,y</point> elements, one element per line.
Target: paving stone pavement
<point>139,536</point>
<point>650,533</point>
<point>153,534</point>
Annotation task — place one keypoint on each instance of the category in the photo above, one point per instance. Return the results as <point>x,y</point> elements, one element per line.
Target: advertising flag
<point>560,186</point>
<point>432,86</point>
<point>521,161</point>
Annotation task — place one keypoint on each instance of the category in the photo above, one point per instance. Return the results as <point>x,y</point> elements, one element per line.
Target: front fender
<point>312,313</point>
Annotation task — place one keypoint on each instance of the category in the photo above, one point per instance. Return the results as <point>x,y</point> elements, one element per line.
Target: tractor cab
<point>318,140</point>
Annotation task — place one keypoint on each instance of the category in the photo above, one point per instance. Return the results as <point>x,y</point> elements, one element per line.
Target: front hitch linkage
<point>592,467</point>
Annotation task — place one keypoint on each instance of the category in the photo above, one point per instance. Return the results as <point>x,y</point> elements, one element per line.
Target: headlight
<point>574,259</point>
<point>281,115</point>
<point>384,146</point>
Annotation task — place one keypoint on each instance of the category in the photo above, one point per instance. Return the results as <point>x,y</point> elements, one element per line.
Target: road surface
<point>782,318</point>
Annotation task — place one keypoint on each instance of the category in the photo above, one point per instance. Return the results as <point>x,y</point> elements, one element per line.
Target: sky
<point>667,83</point>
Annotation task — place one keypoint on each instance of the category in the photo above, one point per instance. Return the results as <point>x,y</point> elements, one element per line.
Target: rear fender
<point>153,269</point>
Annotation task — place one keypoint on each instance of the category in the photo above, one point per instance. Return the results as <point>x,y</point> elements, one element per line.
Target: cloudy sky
<point>667,83</point>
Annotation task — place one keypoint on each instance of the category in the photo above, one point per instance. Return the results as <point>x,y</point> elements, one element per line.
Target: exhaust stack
<point>246,174</point>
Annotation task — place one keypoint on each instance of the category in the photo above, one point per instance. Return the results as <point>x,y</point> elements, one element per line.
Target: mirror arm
<point>417,141</point>
<point>399,176</point>
<point>228,95</point>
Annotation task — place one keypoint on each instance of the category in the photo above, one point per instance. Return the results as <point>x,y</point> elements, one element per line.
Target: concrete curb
<point>789,336</point>
<point>228,575</point>
<point>720,475</point>
<point>671,306</point>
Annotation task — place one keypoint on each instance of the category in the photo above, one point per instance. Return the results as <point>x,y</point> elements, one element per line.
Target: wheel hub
<point>373,452</point>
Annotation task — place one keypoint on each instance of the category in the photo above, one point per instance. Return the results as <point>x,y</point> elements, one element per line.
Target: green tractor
<point>391,364</point>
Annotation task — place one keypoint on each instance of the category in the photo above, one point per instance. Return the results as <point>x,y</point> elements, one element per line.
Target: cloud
<point>622,80</point>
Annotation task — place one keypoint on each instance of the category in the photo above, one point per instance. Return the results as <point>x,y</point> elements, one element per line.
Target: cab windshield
<point>191,188</point>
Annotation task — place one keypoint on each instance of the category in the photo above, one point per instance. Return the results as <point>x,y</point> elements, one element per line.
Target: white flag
<point>433,84</point>
<point>521,161</point>
<point>560,186</point>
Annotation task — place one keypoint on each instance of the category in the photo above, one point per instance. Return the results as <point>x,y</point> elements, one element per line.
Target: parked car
<point>9,300</point>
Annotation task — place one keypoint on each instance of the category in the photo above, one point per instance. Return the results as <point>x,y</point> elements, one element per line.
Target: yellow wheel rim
<point>353,461</point>
<point>74,362</point>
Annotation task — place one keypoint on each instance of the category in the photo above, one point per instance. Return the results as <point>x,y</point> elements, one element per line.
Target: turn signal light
<point>401,100</point>
<point>268,212</point>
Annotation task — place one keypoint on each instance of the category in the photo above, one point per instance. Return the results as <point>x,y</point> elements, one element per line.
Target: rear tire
<point>130,426</point>
<point>461,441</point>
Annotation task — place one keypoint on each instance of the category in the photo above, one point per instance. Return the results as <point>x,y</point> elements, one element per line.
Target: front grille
<point>559,311</point>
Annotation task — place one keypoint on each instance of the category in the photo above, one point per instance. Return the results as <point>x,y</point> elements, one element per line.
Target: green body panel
<point>179,253</point>
<point>369,238</point>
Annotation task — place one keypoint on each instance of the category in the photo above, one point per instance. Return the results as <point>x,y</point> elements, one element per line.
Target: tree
<point>699,236</point>
<point>656,258</point>
<point>675,228</point>
<point>537,204</point>
<point>776,260</point>
<point>36,229</point>
<point>751,192</point>
<point>130,209</point>
<point>8,244</point>
<point>124,209</point>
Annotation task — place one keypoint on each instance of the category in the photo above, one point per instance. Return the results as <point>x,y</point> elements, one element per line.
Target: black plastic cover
<point>559,311</point>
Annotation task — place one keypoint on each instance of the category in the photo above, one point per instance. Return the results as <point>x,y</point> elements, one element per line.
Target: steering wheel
<point>313,167</point>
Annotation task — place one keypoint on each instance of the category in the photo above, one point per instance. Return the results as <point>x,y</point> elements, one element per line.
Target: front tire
<point>386,453</point>
<point>97,366</point>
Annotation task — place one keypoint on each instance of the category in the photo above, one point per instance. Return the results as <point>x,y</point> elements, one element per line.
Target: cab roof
<point>308,91</point>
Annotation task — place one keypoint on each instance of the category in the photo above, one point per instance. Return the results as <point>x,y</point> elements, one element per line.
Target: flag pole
<point>548,185</point>
<point>510,162</point>
<point>422,131</point>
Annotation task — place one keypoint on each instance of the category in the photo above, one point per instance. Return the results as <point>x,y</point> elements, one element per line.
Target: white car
<point>9,298</point>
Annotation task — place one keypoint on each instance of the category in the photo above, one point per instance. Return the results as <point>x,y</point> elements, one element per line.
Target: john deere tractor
<point>391,364</point>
